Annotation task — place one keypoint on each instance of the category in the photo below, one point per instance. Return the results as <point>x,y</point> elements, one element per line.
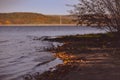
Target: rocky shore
<point>85,57</point>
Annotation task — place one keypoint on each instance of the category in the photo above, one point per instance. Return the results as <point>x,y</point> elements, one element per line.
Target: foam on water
<point>21,53</point>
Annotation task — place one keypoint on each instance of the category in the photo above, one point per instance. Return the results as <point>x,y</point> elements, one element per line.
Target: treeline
<point>33,18</point>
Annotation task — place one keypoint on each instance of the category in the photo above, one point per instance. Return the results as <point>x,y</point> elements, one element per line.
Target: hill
<point>33,18</point>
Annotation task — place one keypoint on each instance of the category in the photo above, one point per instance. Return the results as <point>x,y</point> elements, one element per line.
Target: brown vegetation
<point>33,18</point>
<point>85,57</point>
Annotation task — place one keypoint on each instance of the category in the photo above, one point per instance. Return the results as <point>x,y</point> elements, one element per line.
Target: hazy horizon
<point>51,7</point>
<point>35,13</point>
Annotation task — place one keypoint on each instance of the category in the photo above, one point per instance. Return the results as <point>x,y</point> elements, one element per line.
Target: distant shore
<point>37,24</point>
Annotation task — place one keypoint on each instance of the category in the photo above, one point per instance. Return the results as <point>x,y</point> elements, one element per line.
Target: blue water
<point>21,54</point>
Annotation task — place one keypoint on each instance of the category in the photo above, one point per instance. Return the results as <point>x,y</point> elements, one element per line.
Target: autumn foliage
<point>33,18</point>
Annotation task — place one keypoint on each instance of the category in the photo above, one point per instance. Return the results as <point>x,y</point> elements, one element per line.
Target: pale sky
<point>37,6</point>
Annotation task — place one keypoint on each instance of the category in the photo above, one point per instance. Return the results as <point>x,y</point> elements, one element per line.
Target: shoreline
<point>37,24</point>
<point>84,59</point>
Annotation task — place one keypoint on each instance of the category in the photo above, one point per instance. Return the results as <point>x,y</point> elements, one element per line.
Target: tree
<point>0,23</point>
<point>98,12</point>
<point>7,22</point>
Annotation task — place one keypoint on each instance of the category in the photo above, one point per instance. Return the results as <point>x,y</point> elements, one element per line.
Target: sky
<point>37,6</point>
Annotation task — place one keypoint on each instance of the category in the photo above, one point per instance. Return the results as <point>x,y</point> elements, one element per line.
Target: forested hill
<point>33,18</point>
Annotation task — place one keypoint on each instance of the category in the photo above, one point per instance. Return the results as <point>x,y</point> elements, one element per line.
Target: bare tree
<point>99,13</point>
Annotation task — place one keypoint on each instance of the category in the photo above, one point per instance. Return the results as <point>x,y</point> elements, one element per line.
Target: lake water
<point>20,54</point>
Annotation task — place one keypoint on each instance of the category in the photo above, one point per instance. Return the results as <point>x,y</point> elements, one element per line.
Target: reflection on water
<point>20,53</point>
